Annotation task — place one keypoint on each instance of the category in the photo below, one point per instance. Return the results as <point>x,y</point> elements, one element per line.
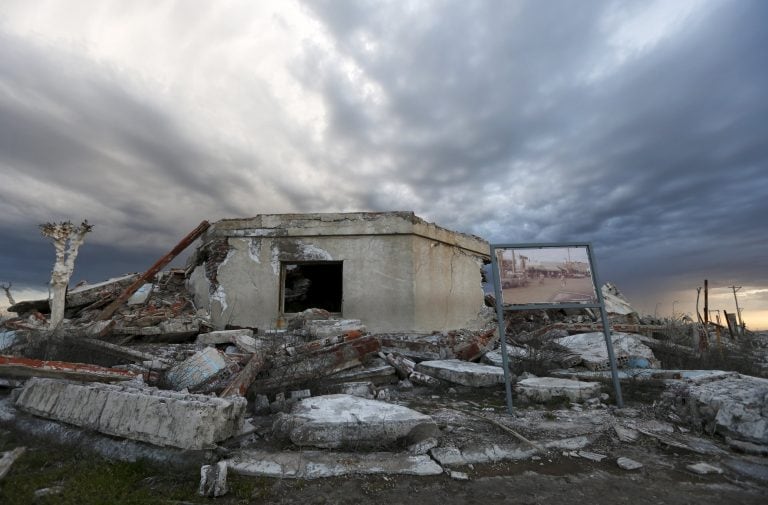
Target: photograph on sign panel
<point>545,275</point>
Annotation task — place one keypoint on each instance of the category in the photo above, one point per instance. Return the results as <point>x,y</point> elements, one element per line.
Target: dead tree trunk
<point>67,239</point>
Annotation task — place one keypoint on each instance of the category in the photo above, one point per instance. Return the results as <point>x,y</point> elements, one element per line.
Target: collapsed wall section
<point>164,418</point>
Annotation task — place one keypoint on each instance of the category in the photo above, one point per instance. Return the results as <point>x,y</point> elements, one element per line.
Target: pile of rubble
<point>152,370</point>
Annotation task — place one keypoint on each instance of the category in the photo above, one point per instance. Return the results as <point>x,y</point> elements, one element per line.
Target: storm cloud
<point>639,127</point>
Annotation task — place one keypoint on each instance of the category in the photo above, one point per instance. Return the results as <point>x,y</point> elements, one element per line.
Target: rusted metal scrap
<point>477,345</point>
<point>153,270</point>
<point>13,366</point>
<point>243,380</point>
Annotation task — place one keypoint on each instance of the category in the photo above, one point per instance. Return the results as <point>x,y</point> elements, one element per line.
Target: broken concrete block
<point>737,406</point>
<point>198,369</point>
<point>261,405</point>
<point>628,464</point>
<point>337,421</point>
<point>165,418</point>
<point>423,380</point>
<point>492,453</point>
<point>319,464</point>
<point>594,353</point>
<point>543,389</point>
<point>242,338</point>
<point>213,480</point>
<point>463,372</point>
<point>360,389</point>
<point>319,328</point>
<point>477,454</point>
<point>423,446</point>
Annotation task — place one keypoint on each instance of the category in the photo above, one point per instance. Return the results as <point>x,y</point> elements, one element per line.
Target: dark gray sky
<point>641,127</point>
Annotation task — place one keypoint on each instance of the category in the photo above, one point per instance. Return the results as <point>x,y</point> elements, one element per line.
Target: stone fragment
<point>702,468</point>
<point>592,456</point>
<point>336,421</point>
<point>543,389</point>
<point>423,379</point>
<point>48,491</point>
<point>423,447</point>
<point>213,480</point>
<point>457,475</point>
<point>628,464</point>
<point>319,464</point>
<point>626,434</point>
<point>463,372</point>
<point>159,417</point>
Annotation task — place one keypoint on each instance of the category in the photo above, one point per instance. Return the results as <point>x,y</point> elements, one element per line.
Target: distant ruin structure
<point>393,270</point>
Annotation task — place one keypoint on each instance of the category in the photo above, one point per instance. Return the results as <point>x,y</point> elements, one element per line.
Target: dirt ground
<point>530,483</point>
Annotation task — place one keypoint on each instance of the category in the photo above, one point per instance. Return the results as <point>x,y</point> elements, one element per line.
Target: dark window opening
<point>312,285</point>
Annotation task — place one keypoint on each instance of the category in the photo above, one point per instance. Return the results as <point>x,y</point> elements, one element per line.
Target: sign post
<point>547,276</point>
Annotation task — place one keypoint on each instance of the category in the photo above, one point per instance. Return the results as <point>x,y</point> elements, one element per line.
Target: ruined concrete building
<point>392,270</point>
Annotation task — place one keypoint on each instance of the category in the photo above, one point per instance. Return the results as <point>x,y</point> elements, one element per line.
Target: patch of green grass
<point>87,479</point>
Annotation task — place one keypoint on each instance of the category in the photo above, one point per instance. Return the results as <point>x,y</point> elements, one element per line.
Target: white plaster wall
<point>447,285</point>
<point>377,279</point>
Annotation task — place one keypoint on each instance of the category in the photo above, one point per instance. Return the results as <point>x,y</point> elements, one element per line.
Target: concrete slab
<point>542,389</point>
<point>463,372</point>
<point>493,453</point>
<point>737,406</point>
<point>318,464</point>
<point>336,421</point>
<point>164,418</point>
<point>633,374</point>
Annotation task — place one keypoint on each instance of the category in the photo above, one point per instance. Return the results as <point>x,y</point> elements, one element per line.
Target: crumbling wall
<point>377,279</point>
<point>447,284</point>
<point>399,272</point>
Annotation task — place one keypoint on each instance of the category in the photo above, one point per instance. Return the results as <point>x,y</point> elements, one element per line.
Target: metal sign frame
<point>600,305</point>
